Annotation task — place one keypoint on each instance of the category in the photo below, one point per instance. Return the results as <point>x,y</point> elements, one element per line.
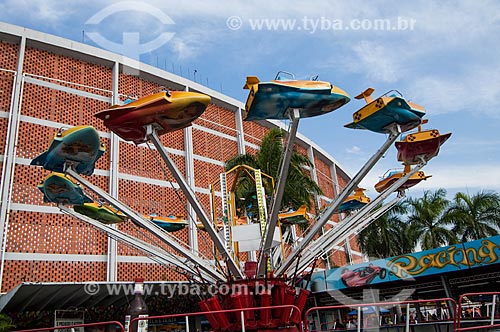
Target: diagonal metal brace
<point>152,135</point>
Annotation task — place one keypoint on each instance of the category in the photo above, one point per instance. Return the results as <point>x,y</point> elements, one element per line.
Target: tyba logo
<point>131,45</point>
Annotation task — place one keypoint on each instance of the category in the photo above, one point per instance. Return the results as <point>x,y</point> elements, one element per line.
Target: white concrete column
<point>240,135</point>
<point>114,151</point>
<point>9,162</point>
<point>189,160</point>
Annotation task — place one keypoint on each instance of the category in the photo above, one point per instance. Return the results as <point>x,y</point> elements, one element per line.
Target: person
<point>412,317</point>
<point>483,310</point>
<point>338,325</point>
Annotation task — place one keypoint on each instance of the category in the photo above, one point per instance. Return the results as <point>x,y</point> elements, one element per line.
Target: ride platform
<point>379,114</point>
<point>170,223</point>
<point>354,202</point>
<point>272,299</point>
<point>168,110</point>
<point>422,144</point>
<point>80,145</point>
<point>393,176</point>
<point>273,99</point>
<point>100,212</point>
<point>298,216</point>
<point>57,188</point>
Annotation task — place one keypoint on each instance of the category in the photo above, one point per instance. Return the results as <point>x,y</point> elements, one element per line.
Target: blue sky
<point>443,55</point>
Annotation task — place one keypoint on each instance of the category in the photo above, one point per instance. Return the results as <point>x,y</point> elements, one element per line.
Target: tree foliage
<point>299,188</point>
<point>432,221</point>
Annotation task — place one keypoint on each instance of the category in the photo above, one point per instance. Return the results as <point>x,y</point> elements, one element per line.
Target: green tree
<point>6,323</point>
<point>475,217</point>
<point>429,223</point>
<point>299,188</point>
<point>388,235</point>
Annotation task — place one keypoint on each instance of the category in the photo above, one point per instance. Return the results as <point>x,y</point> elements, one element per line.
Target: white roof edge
<point>113,57</point>
<point>93,51</point>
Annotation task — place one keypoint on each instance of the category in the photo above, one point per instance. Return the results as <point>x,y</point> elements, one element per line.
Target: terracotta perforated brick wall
<point>214,146</point>
<point>8,55</point>
<point>342,182</point>
<point>148,198</point>
<point>354,244</point>
<point>150,272</point>
<point>206,173</point>
<point>141,161</point>
<point>3,133</point>
<point>129,84</point>
<point>250,150</point>
<point>219,119</point>
<point>47,64</point>
<point>51,271</point>
<point>324,177</point>
<point>254,132</point>
<point>62,107</point>
<point>300,149</point>
<point>53,234</point>
<point>337,258</point>
<point>8,60</point>
<point>6,81</point>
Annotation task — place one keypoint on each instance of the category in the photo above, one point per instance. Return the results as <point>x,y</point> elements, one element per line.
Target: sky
<point>443,55</point>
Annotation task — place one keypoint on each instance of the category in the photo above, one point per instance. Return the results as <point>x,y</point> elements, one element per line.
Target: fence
<point>377,324</point>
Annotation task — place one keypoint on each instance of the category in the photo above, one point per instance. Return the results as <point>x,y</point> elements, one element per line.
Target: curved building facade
<point>49,82</point>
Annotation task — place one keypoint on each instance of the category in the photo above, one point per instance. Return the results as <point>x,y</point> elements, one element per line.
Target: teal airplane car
<point>273,100</point>
<point>78,145</point>
<point>57,188</point>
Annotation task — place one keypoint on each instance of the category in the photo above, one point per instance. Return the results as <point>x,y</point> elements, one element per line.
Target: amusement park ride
<point>73,152</point>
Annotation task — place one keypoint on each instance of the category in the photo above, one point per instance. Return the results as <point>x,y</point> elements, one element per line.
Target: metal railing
<point>240,321</point>
<point>491,318</point>
<point>358,307</point>
<point>455,318</point>
<point>72,327</point>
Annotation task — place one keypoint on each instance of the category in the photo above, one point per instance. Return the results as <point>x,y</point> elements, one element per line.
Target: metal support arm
<point>191,197</point>
<point>333,236</point>
<point>278,196</point>
<point>139,220</point>
<point>395,131</point>
<point>350,224</point>
<point>159,255</point>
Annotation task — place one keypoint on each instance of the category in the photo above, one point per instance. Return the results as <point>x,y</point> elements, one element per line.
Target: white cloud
<point>354,150</point>
<point>475,90</point>
<point>461,177</point>
<point>375,60</point>
<point>258,8</point>
<point>47,12</point>
<point>458,23</point>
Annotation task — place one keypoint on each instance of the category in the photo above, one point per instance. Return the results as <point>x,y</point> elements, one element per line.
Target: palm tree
<point>475,217</point>
<point>299,186</point>
<point>429,224</point>
<point>388,235</point>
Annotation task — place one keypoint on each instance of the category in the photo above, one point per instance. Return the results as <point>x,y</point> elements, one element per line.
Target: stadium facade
<point>47,82</point>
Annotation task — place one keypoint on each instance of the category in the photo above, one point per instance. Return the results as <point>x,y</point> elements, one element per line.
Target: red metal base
<point>274,305</point>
